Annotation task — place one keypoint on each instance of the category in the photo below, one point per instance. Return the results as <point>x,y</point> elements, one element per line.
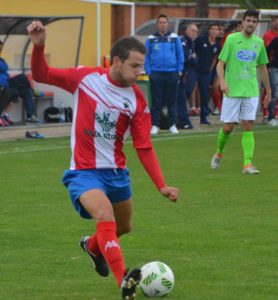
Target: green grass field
<point>220,239</point>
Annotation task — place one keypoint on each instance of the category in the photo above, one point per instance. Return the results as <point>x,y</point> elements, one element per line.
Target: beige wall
<point>59,37</point>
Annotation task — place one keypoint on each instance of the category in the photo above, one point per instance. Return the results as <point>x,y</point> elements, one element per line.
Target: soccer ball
<point>157,279</point>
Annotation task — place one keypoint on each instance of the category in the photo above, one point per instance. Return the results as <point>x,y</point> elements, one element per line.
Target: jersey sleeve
<point>67,79</point>
<point>140,126</point>
<point>262,58</point>
<point>180,54</point>
<point>150,162</point>
<point>224,53</point>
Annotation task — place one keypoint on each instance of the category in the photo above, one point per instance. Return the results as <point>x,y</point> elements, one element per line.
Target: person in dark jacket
<point>188,45</point>
<point>207,49</point>
<point>164,65</point>
<point>272,52</point>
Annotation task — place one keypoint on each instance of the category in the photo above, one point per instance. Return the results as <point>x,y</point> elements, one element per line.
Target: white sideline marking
<point>164,137</point>
<point>15,151</point>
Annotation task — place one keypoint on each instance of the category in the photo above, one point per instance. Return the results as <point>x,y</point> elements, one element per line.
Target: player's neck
<point>246,34</point>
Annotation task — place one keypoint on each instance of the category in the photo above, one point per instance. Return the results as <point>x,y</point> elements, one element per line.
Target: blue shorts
<point>115,184</point>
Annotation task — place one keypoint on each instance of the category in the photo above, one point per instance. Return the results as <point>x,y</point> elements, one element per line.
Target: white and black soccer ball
<point>157,279</point>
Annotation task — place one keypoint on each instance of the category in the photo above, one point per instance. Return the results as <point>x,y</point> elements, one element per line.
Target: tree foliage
<point>267,4</point>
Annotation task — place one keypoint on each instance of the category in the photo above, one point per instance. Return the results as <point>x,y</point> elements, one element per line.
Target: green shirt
<point>241,56</point>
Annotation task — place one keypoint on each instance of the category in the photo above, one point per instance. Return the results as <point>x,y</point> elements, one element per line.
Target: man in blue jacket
<point>164,65</point>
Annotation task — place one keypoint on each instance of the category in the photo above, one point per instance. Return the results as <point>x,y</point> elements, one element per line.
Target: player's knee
<point>104,215</point>
<point>228,128</point>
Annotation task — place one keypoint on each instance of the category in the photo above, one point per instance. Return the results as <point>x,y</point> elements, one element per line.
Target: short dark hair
<point>123,46</point>
<point>251,13</point>
<point>212,25</point>
<point>161,16</point>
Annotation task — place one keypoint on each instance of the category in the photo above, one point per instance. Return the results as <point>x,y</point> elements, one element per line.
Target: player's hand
<point>171,193</point>
<point>267,99</point>
<point>36,32</point>
<point>224,88</point>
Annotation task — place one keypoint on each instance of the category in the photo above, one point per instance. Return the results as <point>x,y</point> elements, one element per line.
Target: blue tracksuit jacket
<point>164,53</point>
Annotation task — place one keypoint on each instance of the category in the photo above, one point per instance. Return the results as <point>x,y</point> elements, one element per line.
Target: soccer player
<point>107,106</point>
<point>242,53</point>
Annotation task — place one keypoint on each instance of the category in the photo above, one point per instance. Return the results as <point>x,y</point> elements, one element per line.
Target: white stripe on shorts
<point>236,109</point>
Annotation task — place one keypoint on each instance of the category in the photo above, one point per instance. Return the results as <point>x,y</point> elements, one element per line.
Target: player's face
<point>128,71</point>
<point>162,25</point>
<point>249,25</point>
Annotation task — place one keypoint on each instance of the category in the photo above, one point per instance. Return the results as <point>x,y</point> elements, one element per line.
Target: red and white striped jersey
<point>104,114</point>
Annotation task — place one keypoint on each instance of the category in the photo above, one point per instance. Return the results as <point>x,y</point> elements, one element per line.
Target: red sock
<point>110,248</point>
<point>216,96</point>
<point>265,112</point>
<point>92,245</point>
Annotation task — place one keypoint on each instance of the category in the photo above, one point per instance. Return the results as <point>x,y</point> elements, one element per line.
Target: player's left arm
<point>265,80</point>
<point>140,127</point>
<point>150,162</point>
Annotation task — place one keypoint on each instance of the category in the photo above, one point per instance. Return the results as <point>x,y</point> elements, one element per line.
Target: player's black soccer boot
<point>98,261</point>
<point>130,281</point>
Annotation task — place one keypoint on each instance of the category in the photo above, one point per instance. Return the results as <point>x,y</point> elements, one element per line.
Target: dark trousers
<point>7,95</point>
<point>183,117</point>
<point>21,84</point>
<point>204,82</point>
<point>164,91</point>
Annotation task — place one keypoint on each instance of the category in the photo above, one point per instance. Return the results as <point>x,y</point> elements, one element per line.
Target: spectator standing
<point>187,40</point>
<point>272,51</point>
<point>242,53</point>
<point>269,35</point>
<point>19,86</point>
<point>164,65</point>
<point>108,105</point>
<point>235,27</point>
<point>207,48</point>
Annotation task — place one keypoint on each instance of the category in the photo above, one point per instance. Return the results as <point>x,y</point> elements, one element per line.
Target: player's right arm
<point>221,75</point>
<point>67,79</point>
<point>223,58</point>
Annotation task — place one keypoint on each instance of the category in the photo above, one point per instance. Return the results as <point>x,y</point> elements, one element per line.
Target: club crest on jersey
<point>104,122</point>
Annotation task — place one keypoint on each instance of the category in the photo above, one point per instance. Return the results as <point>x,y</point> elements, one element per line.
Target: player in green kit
<point>242,54</point>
